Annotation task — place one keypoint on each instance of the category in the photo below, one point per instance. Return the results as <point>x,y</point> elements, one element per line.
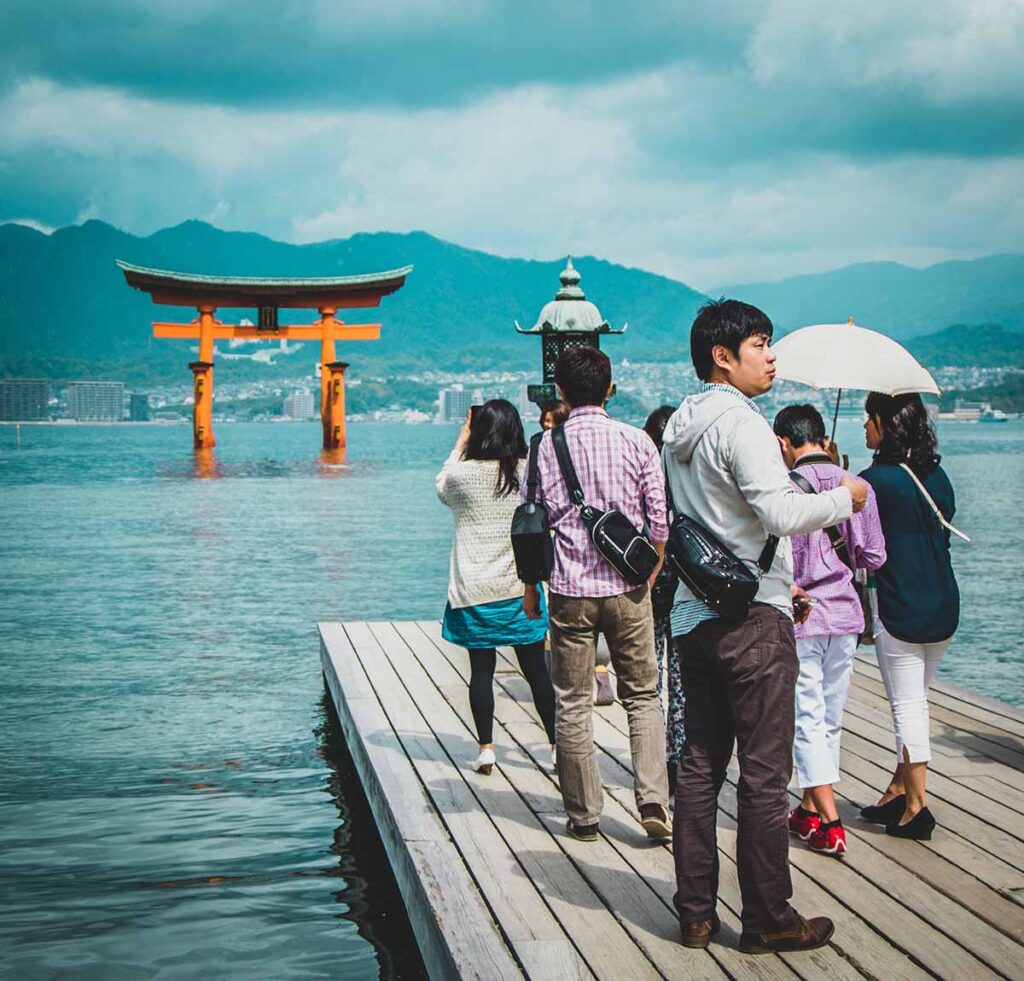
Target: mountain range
<point>65,310</point>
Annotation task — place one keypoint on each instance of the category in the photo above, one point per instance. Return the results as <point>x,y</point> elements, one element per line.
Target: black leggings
<point>481,687</point>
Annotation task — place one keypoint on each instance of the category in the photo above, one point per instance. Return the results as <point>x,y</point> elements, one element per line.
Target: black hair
<point>558,409</point>
<point>496,433</point>
<point>656,422</point>
<point>908,435</point>
<point>725,322</point>
<point>583,374</point>
<point>800,424</point>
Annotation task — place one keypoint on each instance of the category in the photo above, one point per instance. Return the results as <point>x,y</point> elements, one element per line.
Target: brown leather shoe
<point>801,935</point>
<point>698,934</point>
<point>654,818</point>
<point>582,832</point>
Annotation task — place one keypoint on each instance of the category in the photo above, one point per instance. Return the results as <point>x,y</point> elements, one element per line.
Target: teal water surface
<point>175,799</point>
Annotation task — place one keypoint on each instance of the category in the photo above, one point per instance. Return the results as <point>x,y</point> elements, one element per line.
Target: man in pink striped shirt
<point>618,467</point>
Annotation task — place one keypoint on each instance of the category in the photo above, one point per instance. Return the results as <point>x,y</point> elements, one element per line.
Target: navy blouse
<point>918,598</point>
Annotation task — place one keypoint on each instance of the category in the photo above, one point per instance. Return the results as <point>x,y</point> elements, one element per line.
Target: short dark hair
<point>800,424</point>
<point>583,374</point>
<point>725,322</point>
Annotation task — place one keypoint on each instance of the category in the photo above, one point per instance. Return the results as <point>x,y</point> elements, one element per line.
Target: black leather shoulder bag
<point>532,547</point>
<point>712,572</point>
<point>618,540</point>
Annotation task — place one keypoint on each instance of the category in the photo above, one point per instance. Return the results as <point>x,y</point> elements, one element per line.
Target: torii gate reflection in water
<point>327,295</point>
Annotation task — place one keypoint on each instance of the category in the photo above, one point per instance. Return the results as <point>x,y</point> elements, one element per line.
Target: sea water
<point>175,798</point>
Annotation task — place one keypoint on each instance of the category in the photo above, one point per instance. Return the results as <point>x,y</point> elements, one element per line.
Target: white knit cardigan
<point>481,569</point>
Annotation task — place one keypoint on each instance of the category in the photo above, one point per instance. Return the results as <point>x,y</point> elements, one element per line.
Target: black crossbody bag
<point>625,548</point>
<point>712,572</point>
<point>532,547</point>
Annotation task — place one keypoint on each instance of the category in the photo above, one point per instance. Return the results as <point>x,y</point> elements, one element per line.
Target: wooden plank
<point>968,713</point>
<point>446,911</point>
<point>954,883</point>
<point>619,824</point>
<point>511,895</point>
<point>603,943</point>
<point>866,664</point>
<point>970,733</point>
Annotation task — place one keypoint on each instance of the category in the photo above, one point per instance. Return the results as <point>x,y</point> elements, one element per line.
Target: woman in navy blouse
<point>917,602</point>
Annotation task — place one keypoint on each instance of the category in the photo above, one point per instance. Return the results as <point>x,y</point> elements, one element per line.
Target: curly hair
<point>908,435</point>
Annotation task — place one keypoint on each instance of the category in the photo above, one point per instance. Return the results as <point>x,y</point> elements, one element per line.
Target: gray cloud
<point>354,52</point>
<point>790,139</point>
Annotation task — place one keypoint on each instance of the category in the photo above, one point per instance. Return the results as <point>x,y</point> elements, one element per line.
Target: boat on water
<point>994,415</point>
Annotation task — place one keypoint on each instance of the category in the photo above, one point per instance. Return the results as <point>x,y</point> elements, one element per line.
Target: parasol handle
<point>835,415</point>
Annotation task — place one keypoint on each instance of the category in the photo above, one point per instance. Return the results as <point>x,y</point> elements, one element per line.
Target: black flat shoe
<point>919,828</point>
<point>885,813</point>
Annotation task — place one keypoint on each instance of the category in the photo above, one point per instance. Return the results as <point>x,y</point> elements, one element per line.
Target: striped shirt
<point>688,614</point>
<point>618,467</point>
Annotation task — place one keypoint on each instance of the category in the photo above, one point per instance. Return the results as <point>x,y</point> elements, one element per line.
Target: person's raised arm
<point>763,480</point>
<point>443,483</point>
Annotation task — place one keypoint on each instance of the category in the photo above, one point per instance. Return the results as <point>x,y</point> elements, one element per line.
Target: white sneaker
<point>554,759</point>
<point>484,763</point>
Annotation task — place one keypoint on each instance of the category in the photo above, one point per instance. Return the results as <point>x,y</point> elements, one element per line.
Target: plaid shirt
<point>618,467</point>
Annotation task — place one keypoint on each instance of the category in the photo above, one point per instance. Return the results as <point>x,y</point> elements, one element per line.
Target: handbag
<point>711,571</point>
<point>625,548</point>
<point>532,547</point>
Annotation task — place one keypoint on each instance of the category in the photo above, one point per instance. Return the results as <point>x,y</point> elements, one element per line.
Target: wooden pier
<point>495,888</point>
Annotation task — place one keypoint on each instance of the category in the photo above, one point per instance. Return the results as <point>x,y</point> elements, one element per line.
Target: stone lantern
<point>569,320</point>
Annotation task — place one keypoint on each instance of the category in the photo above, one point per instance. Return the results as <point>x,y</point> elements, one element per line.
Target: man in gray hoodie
<point>725,471</point>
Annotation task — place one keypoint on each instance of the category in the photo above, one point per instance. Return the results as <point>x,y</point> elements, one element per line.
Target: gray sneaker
<point>603,694</point>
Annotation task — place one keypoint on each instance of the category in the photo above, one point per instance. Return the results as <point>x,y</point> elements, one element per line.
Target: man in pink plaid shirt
<point>618,467</point>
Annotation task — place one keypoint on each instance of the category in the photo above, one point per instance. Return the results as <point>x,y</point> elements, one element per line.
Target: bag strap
<point>572,481</point>
<point>767,556</point>
<point>938,514</point>
<point>532,476</point>
<point>835,536</point>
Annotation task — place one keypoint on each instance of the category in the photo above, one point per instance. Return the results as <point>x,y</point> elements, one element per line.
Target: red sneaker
<point>803,825</point>
<point>829,841</point>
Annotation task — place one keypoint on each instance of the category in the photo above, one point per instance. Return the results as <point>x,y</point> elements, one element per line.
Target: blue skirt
<point>500,624</point>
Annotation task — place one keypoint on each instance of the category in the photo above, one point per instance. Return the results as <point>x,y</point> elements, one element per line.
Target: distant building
<point>24,399</point>
<point>299,405</point>
<point>454,402</point>
<point>138,407</point>
<point>92,401</point>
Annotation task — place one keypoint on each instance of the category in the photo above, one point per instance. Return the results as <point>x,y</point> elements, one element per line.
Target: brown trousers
<point>740,683</point>
<point>628,626</point>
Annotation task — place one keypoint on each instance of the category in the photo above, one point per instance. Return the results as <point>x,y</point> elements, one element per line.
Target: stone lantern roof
<point>570,312</point>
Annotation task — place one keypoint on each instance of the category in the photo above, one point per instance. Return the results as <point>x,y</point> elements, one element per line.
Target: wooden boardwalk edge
<point>495,888</point>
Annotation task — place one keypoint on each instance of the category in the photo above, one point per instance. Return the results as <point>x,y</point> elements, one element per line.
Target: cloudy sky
<point>714,142</point>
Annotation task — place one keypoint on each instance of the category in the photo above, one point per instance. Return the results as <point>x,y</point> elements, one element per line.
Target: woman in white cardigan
<point>480,483</point>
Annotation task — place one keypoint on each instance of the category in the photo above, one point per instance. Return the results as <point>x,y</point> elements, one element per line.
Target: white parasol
<point>850,356</point>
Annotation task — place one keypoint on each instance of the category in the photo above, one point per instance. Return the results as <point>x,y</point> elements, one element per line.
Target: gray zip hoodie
<point>726,471</point>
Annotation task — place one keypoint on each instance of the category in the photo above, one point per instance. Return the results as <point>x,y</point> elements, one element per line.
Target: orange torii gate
<point>325,294</point>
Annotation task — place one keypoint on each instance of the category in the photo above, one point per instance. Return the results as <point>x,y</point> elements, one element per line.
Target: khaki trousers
<point>628,626</point>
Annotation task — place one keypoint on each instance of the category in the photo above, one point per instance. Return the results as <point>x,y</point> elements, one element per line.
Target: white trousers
<point>826,663</point>
<point>907,670</point>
